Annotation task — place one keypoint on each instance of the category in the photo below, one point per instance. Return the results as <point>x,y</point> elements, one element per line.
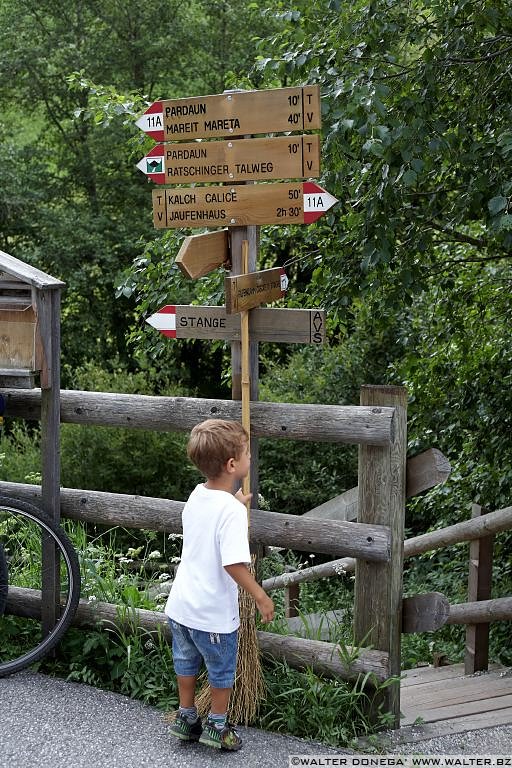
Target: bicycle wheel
<point>24,529</point>
<point>4,580</point>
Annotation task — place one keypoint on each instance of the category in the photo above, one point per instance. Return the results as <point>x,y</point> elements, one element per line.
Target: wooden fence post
<point>378,587</point>
<point>291,597</point>
<point>49,318</point>
<point>479,588</point>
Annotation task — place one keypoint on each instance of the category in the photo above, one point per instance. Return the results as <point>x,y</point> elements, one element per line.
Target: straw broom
<point>249,687</point>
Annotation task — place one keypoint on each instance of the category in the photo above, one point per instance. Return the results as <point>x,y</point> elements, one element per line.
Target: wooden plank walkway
<point>439,701</point>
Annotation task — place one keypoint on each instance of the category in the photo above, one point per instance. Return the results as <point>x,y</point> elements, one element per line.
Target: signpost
<point>241,207</point>
<point>200,254</point>
<point>238,113</point>
<point>285,326</point>
<point>292,203</point>
<point>279,157</point>
<point>247,291</point>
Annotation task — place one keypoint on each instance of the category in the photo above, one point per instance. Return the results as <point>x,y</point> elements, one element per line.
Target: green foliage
<point>20,454</point>
<point>304,704</point>
<point>71,201</point>
<point>119,460</point>
<point>408,148</point>
<point>126,660</point>
<point>413,266</point>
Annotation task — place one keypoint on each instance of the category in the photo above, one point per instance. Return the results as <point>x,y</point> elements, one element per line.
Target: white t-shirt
<point>203,595</point>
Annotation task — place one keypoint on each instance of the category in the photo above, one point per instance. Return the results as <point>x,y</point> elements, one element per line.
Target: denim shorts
<point>190,647</point>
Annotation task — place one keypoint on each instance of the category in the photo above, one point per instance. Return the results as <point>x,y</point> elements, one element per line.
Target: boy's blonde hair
<point>213,442</point>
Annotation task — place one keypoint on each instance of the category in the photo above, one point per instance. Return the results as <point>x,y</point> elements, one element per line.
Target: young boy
<point>203,603</point>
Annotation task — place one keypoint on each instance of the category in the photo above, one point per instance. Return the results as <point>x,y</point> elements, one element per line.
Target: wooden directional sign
<point>247,291</point>
<point>287,203</point>
<point>200,254</point>
<point>238,113</point>
<point>280,157</point>
<point>289,326</point>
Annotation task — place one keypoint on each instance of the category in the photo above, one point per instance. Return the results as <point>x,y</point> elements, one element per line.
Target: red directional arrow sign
<point>240,205</point>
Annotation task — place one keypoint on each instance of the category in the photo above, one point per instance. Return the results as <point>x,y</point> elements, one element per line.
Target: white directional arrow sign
<point>288,326</point>
<point>240,205</point>
<point>164,320</point>
<point>316,201</point>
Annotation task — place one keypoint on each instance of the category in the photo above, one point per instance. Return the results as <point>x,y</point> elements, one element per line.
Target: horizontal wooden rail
<point>323,658</point>
<point>481,612</point>
<point>492,522</point>
<point>363,425</point>
<point>369,542</point>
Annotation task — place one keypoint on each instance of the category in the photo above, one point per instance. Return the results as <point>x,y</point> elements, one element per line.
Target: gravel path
<point>50,723</point>
<point>484,741</point>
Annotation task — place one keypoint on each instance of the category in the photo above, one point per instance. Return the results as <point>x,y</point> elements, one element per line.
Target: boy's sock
<point>190,713</point>
<point>218,720</point>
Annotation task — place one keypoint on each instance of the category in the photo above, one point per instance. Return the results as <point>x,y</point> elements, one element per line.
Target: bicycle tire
<point>69,560</point>
<point>4,580</point>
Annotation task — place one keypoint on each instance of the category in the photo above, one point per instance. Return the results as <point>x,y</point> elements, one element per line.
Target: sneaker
<point>185,730</point>
<point>220,737</point>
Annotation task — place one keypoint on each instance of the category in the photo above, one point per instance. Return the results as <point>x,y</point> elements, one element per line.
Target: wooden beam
<point>48,312</point>
<point>492,522</point>
<point>356,424</point>
<point>300,653</point>
<point>481,612</point>
<point>371,542</point>
<point>424,613</point>
<point>426,470</point>
<point>476,657</point>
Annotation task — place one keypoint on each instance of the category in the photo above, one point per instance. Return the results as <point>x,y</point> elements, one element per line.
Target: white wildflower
<point>132,552</point>
<point>155,555</point>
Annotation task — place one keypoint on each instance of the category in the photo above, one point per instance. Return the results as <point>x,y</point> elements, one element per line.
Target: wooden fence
<point>432,611</point>
<point>377,425</point>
